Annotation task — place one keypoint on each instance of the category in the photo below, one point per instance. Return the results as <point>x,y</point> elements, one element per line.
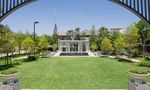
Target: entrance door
<point>64,49</point>
<point>74,47</point>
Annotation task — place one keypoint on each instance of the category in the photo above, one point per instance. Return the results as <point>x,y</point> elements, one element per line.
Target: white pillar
<point>68,47</point>
<point>87,46</point>
<point>81,46</point>
<point>78,46</point>
<point>59,46</point>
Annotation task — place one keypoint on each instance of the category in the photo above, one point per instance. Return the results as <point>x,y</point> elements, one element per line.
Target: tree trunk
<point>7,58</point>
<point>19,49</point>
<point>143,47</point>
<point>26,52</point>
<point>12,53</point>
<point>117,55</point>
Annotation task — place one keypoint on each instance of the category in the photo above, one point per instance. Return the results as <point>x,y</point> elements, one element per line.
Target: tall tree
<point>19,37</point>
<point>43,43</point>
<point>92,39</point>
<point>55,34</point>
<point>77,30</point>
<point>55,29</point>
<point>103,33</point>
<point>144,32</point>
<point>72,34</point>
<point>93,31</point>
<point>106,45</point>
<point>132,39</point>
<point>119,44</point>
<point>6,45</point>
<point>28,45</point>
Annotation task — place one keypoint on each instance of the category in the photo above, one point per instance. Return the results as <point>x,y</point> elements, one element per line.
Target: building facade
<point>71,46</point>
<point>80,44</point>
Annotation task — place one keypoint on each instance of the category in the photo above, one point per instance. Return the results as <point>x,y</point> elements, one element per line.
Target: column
<point>59,46</point>
<point>81,46</point>
<point>87,46</point>
<point>68,47</point>
<point>78,46</point>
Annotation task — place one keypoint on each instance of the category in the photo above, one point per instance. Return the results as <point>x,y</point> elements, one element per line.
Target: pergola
<point>141,8</point>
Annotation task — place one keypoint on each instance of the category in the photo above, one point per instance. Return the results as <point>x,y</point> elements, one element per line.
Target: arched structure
<point>141,8</point>
<point>9,6</point>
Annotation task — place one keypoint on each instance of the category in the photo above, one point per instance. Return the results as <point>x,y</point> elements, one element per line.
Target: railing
<point>141,8</point>
<point>9,6</point>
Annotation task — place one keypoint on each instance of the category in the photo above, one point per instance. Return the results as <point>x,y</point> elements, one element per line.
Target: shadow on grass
<point>104,56</point>
<point>5,67</point>
<point>124,60</point>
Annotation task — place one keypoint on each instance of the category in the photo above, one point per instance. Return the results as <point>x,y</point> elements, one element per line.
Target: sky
<point>69,14</point>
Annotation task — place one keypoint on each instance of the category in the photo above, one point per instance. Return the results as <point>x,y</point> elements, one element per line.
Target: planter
<point>138,76</point>
<point>10,76</point>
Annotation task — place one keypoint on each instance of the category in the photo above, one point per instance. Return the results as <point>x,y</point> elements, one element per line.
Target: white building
<point>73,46</point>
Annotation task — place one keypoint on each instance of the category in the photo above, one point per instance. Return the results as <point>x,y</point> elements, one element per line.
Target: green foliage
<point>7,44</point>
<point>77,30</point>
<point>93,39</point>
<point>94,47</point>
<point>28,44</point>
<point>72,34</point>
<point>103,33</point>
<point>106,45</point>
<point>144,63</point>
<point>55,35</point>
<point>9,71</point>
<point>43,43</point>
<point>55,46</point>
<point>131,38</point>
<point>140,25</point>
<point>55,28</point>
<point>119,45</point>
<point>6,39</point>
<point>31,58</point>
<point>19,37</point>
<point>139,70</point>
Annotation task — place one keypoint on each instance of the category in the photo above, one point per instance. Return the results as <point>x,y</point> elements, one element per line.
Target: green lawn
<point>74,73</point>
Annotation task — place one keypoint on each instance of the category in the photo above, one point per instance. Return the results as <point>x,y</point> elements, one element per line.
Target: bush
<point>139,71</point>
<point>144,63</point>
<point>147,58</point>
<point>9,71</point>
<point>120,59</point>
<point>31,58</point>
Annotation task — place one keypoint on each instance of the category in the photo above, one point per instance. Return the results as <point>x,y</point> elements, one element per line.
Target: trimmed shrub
<point>9,71</point>
<point>144,63</point>
<point>147,58</point>
<point>31,58</point>
<point>139,71</point>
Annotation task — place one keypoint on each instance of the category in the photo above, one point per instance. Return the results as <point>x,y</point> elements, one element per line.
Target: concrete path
<point>91,54</point>
<point>57,54</point>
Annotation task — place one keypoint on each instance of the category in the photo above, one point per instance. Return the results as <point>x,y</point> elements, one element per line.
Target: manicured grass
<point>74,73</point>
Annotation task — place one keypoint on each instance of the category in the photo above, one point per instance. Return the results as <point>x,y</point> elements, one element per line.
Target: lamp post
<point>34,34</point>
<point>34,29</point>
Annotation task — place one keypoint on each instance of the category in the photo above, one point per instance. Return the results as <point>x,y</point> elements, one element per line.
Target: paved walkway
<point>57,54</point>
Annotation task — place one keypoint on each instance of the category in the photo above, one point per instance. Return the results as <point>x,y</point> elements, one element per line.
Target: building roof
<point>62,33</point>
<point>88,32</point>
